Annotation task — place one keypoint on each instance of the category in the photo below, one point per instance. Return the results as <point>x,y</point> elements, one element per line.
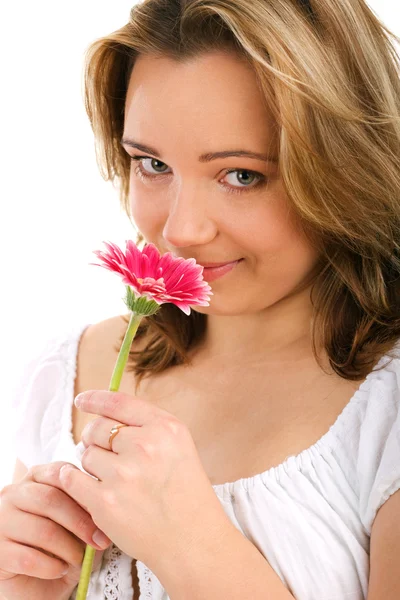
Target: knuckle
<point>124,472</point>
<point>112,402</point>
<point>109,498</point>
<point>89,429</point>
<point>148,447</point>
<point>87,456</point>
<point>173,426</point>
<point>48,531</point>
<point>87,451</point>
<point>32,471</point>
<point>83,525</point>
<point>6,495</point>
<point>53,470</point>
<point>50,497</point>
<point>84,435</point>
<point>6,490</point>
<point>36,470</point>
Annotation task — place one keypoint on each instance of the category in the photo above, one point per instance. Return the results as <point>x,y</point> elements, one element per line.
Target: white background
<point>55,207</point>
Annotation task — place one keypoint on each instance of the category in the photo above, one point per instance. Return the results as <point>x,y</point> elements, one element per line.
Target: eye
<point>253,175</point>
<point>140,160</point>
<point>155,163</point>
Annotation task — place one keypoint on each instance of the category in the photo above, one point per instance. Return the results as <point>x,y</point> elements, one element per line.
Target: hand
<point>41,529</point>
<point>152,497</point>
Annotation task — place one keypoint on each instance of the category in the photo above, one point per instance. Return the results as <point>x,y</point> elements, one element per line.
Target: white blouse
<point>311,516</point>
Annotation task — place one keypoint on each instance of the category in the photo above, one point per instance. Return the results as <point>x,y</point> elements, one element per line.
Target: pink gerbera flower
<point>157,278</point>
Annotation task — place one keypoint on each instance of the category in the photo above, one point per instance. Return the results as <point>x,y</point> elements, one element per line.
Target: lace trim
<point>148,595</point>
<point>151,587</point>
<point>112,580</point>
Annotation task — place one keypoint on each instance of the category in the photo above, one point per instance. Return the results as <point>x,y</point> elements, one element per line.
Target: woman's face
<point>192,206</point>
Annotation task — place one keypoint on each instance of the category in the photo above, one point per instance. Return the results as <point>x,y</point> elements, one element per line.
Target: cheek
<point>145,210</point>
<point>279,245</point>
<point>267,230</point>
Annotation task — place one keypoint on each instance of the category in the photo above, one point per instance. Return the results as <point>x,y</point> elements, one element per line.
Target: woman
<point>264,134</point>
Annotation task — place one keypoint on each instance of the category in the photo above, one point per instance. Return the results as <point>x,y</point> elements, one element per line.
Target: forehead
<point>214,94</point>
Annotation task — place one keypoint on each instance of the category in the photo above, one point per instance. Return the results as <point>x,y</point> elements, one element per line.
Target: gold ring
<point>113,433</point>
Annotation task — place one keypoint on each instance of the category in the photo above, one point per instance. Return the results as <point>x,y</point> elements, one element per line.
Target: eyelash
<point>231,190</point>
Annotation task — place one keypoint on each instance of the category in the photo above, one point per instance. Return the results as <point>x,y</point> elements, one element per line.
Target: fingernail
<point>79,450</point>
<point>64,470</point>
<point>78,400</point>
<point>64,572</point>
<point>100,539</point>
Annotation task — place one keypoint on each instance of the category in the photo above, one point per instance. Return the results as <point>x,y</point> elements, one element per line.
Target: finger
<point>24,560</point>
<point>45,535</point>
<point>119,406</point>
<point>47,473</point>
<point>101,463</point>
<point>54,504</point>
<point>83,488</point>
<point>97,433</point>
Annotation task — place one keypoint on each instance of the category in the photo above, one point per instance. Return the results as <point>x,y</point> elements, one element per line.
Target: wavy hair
<point>329,72</point>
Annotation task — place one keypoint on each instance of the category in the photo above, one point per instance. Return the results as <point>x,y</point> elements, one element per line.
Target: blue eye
<point>144,175</point>
<point>253,174</point>
<point>140,159</point>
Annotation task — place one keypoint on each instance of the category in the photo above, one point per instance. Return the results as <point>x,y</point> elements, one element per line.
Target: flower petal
<point>163,278</point>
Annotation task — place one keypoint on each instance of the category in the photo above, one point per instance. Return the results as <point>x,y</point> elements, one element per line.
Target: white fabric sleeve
<point>37,384</point>
<point>379,445</point>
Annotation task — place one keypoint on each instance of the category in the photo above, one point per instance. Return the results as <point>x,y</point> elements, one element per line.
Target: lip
<point>211,273</point>
<point>213,265</point>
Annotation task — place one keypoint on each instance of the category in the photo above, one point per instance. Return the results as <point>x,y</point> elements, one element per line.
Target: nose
<point>189,222</point>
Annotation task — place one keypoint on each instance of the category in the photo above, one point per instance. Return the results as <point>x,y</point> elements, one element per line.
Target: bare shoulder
<point>96,357</point>
<point>97,346</point>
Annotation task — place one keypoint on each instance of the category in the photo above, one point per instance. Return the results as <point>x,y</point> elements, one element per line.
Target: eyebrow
<point>204,158</point>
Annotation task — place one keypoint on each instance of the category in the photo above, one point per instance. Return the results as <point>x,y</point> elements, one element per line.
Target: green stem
<point>124,352</point>
<point>87,564</point>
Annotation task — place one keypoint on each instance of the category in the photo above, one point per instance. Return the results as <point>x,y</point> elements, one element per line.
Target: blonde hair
<point>329,72</point>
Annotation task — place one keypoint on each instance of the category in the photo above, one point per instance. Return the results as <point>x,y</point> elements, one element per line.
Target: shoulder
<point>98,352</point>
<point>99,339</point>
